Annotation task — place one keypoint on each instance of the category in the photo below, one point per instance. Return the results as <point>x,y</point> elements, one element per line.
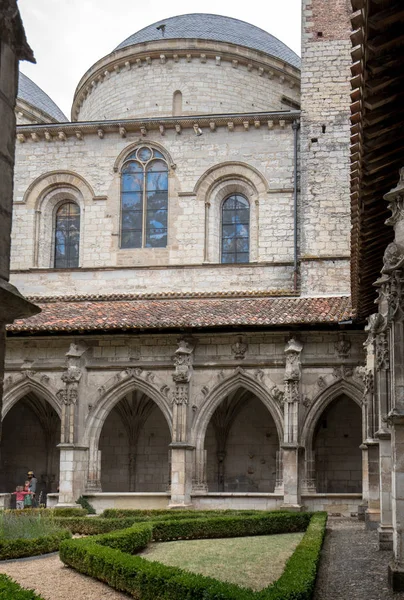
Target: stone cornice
<point>173,50</point>
<point>207,123</point>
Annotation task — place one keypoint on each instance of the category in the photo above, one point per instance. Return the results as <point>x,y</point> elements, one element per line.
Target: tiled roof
<point>217,28</point>
<point>72,315</point>
<point>32,93</point>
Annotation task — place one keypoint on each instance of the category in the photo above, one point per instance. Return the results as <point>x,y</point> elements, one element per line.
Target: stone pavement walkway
<point>352,567</point>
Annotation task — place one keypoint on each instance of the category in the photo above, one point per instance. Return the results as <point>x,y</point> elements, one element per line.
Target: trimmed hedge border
<point>23,547</point>
<point>11,590</point>
<point>103,524</point>
<point>147,514</point>
<point>110,558</point>
<point>49,512</point>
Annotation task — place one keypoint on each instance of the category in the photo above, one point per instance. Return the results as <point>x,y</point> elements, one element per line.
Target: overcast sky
<point>68,36</point>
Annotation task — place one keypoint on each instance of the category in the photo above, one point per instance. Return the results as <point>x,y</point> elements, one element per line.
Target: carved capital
<point>67,396</point>
<point>181,394</point>
<point>292,393</point>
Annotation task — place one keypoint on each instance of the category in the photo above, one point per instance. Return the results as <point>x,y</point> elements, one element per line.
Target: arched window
<point>144,200</point>
<point>177,103</point>
<point>67,236</point>
<point>235,229</point>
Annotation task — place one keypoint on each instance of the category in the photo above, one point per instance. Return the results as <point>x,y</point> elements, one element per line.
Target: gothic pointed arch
<point>323,399</point>
<point>240,379</point>
<point>114,392</point>
<point>26,385</point>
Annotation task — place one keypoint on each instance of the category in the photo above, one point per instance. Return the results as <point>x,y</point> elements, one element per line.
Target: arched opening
<point>134,445</point>
<point>241,445</point>
<point>67,236</point>
<point>177,103</point>
<point>336,442</point>
<point>31,433</point>
<point>235,229</point>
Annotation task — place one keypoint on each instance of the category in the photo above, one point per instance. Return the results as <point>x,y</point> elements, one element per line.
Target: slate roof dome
<point>30,92</point>
<point>217,28</point>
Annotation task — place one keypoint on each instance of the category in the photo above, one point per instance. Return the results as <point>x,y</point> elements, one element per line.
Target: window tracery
<point>235,229</point>
<point>144,199</point>
<point>67,236</point>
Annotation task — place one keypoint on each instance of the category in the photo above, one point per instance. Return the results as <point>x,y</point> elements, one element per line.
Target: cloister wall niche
<point>336,442</point>
<point>134,445</point>
<point>31,432</point>
<point>241,446</point>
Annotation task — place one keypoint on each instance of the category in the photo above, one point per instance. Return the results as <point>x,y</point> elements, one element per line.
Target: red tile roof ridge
<point>117,313</point>
<point>163,295</point>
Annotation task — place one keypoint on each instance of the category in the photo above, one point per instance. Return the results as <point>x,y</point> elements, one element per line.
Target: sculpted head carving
<point>393,257</point>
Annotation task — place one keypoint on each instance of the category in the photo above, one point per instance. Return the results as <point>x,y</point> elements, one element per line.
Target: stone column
<point>382,391</point>
<point>290,446</point>
<point>370,445</point>
<point>181,450</point>
<point>73,456</point>
<point>391,309</point>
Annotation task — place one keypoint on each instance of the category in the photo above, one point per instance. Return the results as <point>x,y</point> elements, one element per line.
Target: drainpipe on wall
<point>295,127</point>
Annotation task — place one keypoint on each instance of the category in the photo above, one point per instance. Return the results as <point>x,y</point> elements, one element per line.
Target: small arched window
<point>235,229</point>
<point>144,200</point>
<point>67,236</point>
<point>177,103</point>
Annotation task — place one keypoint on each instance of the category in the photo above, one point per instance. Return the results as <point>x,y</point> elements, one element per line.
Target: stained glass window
<point>144,200</point>
<point>67,236</point>
<point>235,229</point>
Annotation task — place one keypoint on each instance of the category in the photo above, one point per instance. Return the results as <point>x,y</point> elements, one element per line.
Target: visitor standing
<point>28,496</point>
<point>32,485</point>
<point>20,495</point>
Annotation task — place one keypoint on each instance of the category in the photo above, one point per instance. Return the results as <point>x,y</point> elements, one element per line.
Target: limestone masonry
<point>196,168</point>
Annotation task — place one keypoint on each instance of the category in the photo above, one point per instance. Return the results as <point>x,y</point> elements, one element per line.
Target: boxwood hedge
<point>110,558</point>
<point>22,547</point>
<point>11,590</point>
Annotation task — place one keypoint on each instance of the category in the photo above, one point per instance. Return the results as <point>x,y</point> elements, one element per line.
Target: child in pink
<point>19,496</point>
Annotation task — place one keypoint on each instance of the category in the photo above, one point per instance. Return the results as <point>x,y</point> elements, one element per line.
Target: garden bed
<point>24,534</point>
<point>110,558</point>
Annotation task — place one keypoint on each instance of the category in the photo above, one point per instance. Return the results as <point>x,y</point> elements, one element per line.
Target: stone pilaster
<point>73,473</point>
<point>290,446</point>
<point>181,450</point>
<point>73,457</point>
<point>391,355</point>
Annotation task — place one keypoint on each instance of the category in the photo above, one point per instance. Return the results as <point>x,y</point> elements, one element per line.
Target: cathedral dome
<point>34,106</point>
<point>217,28</point>
<point>194,64</point>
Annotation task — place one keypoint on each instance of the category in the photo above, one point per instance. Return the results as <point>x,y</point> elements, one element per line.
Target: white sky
<point>68,36</point>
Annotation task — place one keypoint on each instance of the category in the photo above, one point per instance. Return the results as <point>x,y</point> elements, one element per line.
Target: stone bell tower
<point>325,142</point>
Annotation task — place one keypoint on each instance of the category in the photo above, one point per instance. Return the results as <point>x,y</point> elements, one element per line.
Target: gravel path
<point>49,577</point>
<point>352,567</point>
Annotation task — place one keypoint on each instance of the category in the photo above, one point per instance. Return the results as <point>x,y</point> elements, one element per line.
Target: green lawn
<point>252,562</point>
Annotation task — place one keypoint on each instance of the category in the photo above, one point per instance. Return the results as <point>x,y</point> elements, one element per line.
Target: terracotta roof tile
<point>71,315</point>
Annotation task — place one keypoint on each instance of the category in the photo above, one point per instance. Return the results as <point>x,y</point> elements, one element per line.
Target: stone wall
<point>325,138</point>
<point>213,78</point>
<point>253,162</point>
<point>111,368</point>
<point>337,453</point>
